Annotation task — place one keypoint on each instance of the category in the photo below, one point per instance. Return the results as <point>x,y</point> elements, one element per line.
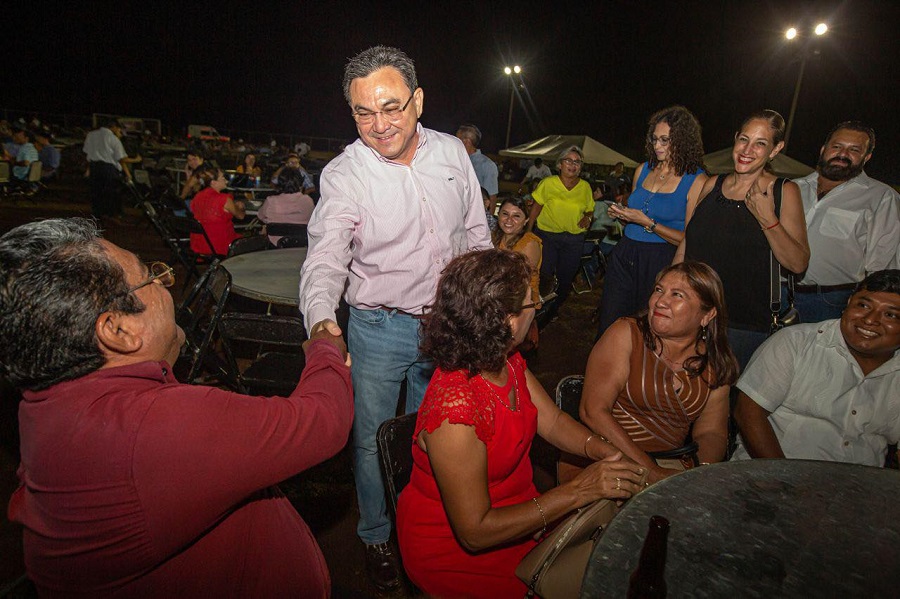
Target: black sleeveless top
<point>724,234</point>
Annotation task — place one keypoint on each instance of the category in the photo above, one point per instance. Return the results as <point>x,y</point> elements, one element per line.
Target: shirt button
<point>846,443</point>
<point>853,412</point>
<point>431,230</point>
<point>165,371</point>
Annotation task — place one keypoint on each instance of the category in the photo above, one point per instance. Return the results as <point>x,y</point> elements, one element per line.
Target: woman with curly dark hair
<point>470,511</point>
<point>655,216</point>
<point>664,374</point>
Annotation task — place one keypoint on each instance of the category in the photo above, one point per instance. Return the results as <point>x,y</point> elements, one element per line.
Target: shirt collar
<point>159,372</point>
<point>422,139</point>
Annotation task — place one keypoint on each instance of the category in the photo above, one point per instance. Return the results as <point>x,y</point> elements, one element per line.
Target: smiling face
<point>754,146</point>
<point>870,325</point>
<point>845,155</point>
<point>161,338</point>
<point>511,220</point>
<point>193,161</point>
<point>675,309</point>
<point>386,89</point>
<point>570,166</point>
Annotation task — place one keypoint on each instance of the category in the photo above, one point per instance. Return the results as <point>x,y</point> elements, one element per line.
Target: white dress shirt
<point>821,406</point>
<point>853,230</point>
<point>102,145</point>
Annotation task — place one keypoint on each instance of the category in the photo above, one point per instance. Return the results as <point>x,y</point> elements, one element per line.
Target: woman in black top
<point>736,224</point>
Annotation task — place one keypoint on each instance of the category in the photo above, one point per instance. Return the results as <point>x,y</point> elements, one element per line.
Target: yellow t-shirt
<point>563,208</point>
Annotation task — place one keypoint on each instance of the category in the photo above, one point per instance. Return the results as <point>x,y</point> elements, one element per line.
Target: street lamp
<point>512,89</point>
<point>820,30</point>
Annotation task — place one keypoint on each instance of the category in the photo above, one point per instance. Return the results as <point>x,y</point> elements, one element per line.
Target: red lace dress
<point>433,558</point>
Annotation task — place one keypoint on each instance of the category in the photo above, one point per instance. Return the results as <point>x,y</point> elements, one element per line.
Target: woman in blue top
<point>655,215</point>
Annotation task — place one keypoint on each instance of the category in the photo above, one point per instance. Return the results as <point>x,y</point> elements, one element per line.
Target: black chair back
<point>198,315</point>
<point>394,440</point>
<point>568,394</point>
<point>292,235</point>
<point>245,245</point>
<point>276,358</point>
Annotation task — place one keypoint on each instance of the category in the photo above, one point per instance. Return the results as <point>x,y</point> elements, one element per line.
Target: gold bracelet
<point>543,517</point>
<point>585,445</point>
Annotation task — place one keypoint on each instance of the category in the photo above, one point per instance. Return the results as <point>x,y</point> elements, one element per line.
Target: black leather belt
<point>824,288</point>
<point>399,311</point>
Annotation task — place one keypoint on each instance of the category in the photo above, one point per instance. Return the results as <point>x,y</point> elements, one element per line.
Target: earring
<point>703,331</point>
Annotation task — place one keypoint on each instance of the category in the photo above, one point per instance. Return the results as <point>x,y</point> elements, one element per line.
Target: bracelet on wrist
<point>543,517</point>
<point>651,227</point>
<point>772,226</point>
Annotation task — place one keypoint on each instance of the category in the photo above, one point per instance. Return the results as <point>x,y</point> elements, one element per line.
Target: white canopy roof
<point>549,148</point>
<point>720,162</point>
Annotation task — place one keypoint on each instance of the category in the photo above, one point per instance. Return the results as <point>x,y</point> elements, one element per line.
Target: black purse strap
<point>775,267</point>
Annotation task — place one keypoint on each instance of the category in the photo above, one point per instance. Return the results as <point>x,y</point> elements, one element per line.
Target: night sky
<point>589,68</point>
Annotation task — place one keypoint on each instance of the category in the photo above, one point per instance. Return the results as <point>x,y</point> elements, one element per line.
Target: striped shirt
<point>658,405</point>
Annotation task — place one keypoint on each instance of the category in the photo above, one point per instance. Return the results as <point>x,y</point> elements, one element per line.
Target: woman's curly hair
<point>468,324</point>
<point>685,139</point>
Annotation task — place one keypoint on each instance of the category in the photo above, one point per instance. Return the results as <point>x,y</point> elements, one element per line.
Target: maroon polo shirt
<point>136,485</point>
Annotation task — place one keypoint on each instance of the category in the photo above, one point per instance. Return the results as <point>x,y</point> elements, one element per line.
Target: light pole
<point>512,92</point>
<point>791,34</point>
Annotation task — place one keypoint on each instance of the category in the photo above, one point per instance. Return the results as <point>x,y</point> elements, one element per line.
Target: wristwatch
<point>652,226</point>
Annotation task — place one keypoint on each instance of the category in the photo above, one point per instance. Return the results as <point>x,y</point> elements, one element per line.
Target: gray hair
<point>472,132</point>
<point>562,154</point>
<point>55,280</point>
<point>377,57</point>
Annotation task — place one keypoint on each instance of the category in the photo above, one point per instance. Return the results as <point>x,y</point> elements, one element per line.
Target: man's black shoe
<point>382,567</point>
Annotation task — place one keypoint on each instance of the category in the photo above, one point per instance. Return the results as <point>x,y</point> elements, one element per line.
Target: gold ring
<point>618,484</point>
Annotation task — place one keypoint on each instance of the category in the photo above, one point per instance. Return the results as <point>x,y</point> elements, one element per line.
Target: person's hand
<point>584,222</point>
<point>327,333</point>
<point>610,478</point>
<point>628,215</point>
<point>761,204</point>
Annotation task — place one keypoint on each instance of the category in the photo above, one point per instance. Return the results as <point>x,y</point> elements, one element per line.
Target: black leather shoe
<point>382,567</point>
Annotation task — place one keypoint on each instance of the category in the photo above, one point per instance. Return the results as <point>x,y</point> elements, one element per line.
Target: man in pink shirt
<point>132,484</point>
<point>397,205</point>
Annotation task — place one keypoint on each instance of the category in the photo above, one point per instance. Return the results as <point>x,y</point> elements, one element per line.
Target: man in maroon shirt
<point>133,484</point>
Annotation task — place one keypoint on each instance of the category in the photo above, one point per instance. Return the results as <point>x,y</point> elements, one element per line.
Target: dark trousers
<point>105,197</point>
<point>631,271</point>
<point>561,257</point>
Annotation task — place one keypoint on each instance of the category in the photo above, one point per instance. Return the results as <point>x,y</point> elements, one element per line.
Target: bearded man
<point>853,223</point>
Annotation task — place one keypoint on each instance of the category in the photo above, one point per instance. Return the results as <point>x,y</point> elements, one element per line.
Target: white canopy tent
<point>720,162</point>
<point>549,148</point>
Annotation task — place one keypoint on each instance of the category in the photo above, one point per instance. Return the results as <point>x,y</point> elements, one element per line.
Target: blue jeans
<point>385,350</point>
<point>817,306</point>
<point>561,257</point>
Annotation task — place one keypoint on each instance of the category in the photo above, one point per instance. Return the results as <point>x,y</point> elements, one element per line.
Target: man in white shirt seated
<point>828,390</point>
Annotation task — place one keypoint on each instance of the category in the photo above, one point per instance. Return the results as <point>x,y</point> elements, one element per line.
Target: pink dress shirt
<point>387,229</point>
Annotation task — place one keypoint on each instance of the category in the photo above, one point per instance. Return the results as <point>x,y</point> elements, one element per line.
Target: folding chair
<point>198,316</point>
<point>293,235</point>
<point>184,227</point>
<point>277,343</point>
<point>594,254</point>
<point>394,440</point>
<point>568,394</point>
<point>180,248</point>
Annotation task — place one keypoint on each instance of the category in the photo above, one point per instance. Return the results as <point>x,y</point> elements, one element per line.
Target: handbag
<point>554,568</point>
<point>789,316</point>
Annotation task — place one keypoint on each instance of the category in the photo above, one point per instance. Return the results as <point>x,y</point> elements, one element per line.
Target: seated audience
<point>656,379</point>
<point>26,153</point>
<point>536,172</point>
<point>132,484</point>
<point>828,390</point>
<point>291,205</point>
<point>215,211</point>
<point>511,234</point>
<point>47,154</point>
<point>470,510</point>
<point>248,166</point>
<point>293,161</point>
<point>194,161</point>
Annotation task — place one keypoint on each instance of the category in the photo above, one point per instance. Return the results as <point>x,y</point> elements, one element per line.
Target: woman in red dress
<point>215,211</point>
<point>470,511</point>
